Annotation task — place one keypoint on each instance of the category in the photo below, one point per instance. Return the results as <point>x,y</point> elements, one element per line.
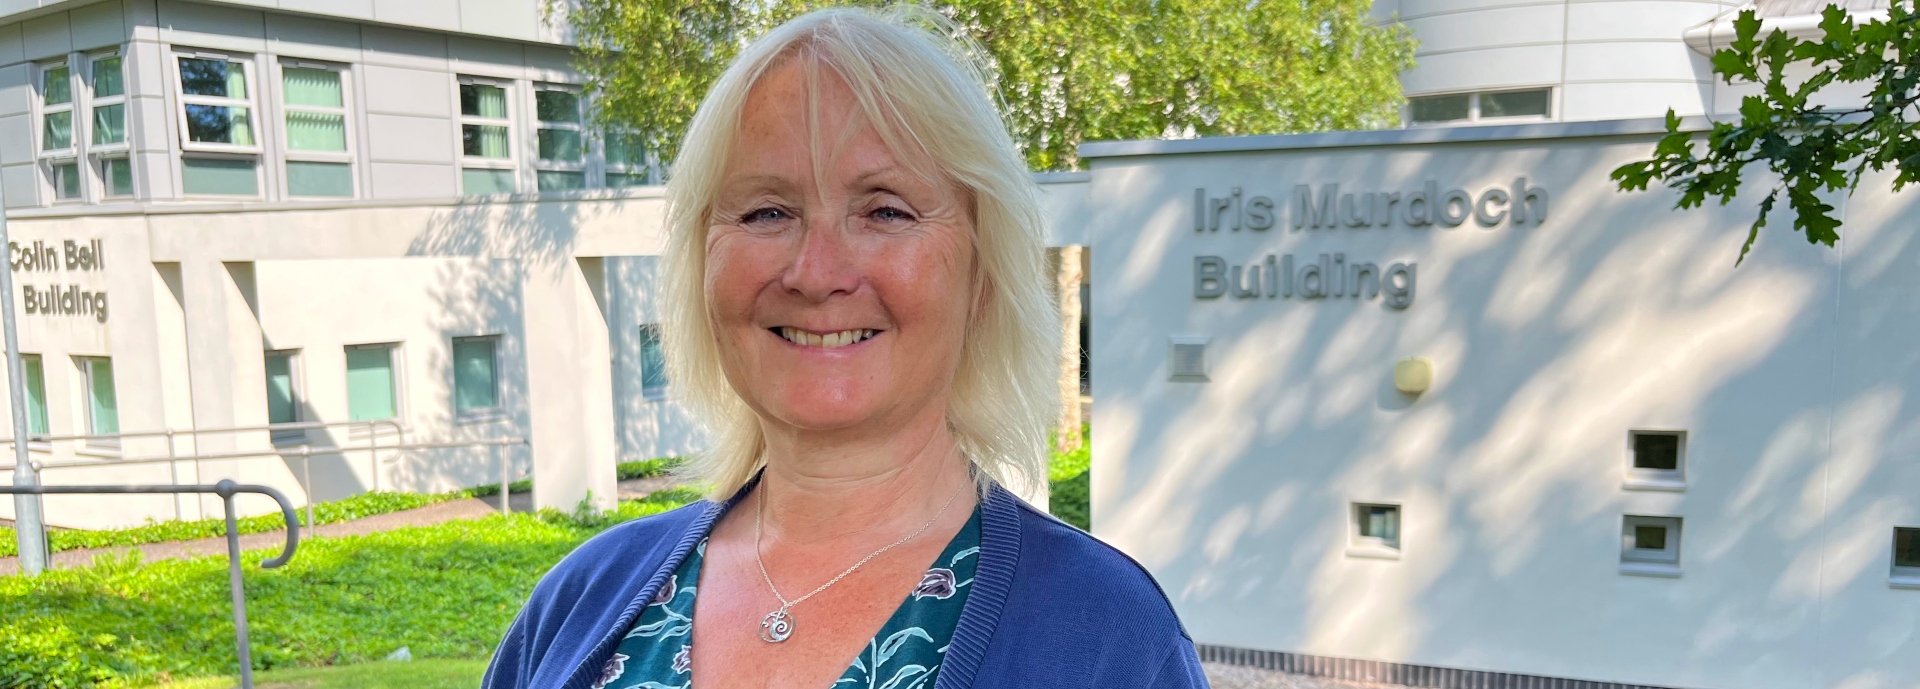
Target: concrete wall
<point>1792,374</point>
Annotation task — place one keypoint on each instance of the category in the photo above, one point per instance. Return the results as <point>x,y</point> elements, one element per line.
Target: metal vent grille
<point>1187,358</point>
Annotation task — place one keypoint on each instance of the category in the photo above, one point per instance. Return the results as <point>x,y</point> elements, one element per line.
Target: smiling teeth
<point>827,341</point>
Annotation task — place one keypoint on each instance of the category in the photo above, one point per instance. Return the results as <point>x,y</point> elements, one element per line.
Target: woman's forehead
<point>802,118</point>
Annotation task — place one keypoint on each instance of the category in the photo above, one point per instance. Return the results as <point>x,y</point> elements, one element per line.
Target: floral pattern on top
<point>656,653</point>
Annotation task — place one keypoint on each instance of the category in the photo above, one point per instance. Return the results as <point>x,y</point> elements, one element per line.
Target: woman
<point>859,304</point>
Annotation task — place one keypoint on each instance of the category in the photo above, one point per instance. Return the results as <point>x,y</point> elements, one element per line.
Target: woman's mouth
<point>830,340</point>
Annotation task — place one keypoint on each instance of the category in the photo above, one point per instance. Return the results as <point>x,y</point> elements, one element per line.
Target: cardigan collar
<point>993,580</point>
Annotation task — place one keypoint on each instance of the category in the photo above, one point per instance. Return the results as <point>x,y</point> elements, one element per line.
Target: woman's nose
<point>824,265</point>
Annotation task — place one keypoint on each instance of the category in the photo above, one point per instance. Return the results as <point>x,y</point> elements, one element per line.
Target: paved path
<point>1237,677</point>
<point>471,508</point>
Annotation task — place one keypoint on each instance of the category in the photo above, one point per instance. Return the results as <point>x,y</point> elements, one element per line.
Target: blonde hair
<point>925,94</point>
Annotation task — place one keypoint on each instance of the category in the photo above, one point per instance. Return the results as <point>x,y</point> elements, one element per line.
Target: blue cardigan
<point>1050,607</point>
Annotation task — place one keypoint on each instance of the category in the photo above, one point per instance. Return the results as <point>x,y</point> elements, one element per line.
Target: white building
<point>1634,462</point>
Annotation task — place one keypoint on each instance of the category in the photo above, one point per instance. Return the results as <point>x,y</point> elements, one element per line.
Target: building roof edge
<point>1387,137</point>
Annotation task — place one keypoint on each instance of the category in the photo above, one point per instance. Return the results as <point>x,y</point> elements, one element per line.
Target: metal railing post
<point>238,587</point>
<point>506,478</point>
<point>29,523</point>
<point>306,471</point>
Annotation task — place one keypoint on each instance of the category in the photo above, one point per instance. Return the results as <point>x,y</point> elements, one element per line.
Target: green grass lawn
<point>445,591</point>
<point>1067,484</point>
<point>419,674</point>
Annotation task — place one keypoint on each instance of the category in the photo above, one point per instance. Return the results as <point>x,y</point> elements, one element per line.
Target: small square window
<point>1187,358</point>
<point>283,396</point>
<point>219,176</point>
<point>66,181</point>
<point>1906,557</point>
<point>117,173</point>
<point>1375,531</point>
<point>560,180</point>
<point>478,180</point>
<point>370,383</point>
<point>1530,103</point>
<point>1650,545</point>
<point>1656,460</point>
<point>103,407</point>
<point>653,363</point>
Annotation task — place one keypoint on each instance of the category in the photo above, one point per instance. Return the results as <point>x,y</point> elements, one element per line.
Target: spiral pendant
<point>776,626</point>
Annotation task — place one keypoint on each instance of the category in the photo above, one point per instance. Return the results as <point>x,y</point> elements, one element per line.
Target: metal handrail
<point>226,489</point>
<point>306,452</point>
<point>398,428</point>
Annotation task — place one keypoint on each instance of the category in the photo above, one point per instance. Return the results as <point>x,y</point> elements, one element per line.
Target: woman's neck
<point>822,487</point>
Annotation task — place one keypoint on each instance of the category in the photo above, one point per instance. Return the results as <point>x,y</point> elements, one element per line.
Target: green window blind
<point>483,141</point>
<point>475,382</point>
<point>280,402</point>
<point>110,124</point>
<point>319,179</point>
<point>370,383</point>
<point>36,395</point>
<point>315,87</point>
<point>308,130</point>
<point>316,131</point>
<point>482,100</point>
<point>57,131</point>
<point>107,81</point>
<point>118,172</point>
<point>219,176</point>
<point>103,408</point>
<point>560,180</point>
<point>653,361</point>
<point>475,180</point>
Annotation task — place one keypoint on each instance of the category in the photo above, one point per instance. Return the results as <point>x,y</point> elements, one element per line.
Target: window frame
<point>659,392</point>
<point>251,102</point>
<point>1375,547</point>
<point>1664,562</point>
<point>99,154</point>
<point>290,155</point>
<point>578,127</point>
<point>86,362</point>
<point>1898,576</point>
<point>48,161</point>
<point>296,389</point>
<point>648,169</point>
<point>511,163</point>
<point>395,369</point>
<point>1672,480</point>
<point>1473,107</point>
<point>498,410</point>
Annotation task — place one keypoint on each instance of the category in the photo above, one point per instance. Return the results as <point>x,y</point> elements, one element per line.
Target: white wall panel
<point>11,48</point>
<point>20,183</point>
<point>408,181</point>
<point>1484,69</point>
<point>99,25</point>
<point>434,14</point>
<point>46,36</point>
<point>395,90</point>
<point>399,138</point>
<point>1491,28</point>
<point>16,89</point>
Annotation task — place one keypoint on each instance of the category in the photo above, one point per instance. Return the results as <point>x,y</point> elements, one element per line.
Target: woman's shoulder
<point>1065,566</point>
<point>636,542</point>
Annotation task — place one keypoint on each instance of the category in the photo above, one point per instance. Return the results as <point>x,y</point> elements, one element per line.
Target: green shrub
<point>348,509</point>
<point>648,468</point>
<point>1067,483</point>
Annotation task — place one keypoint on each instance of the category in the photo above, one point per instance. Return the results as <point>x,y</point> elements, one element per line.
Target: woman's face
<point>837,280</point>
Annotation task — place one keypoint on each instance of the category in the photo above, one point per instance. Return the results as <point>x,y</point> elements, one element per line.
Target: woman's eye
<point>890,214</point>
<point>761,215</point>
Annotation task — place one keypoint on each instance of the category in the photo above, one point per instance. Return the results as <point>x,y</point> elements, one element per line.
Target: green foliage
<point>647,468</point>
<point>1809,148</point>
<point>355,507</point>
<point>491,489</point>
<point>445,591</point>
<point>1067,71</point>
<point>1067,483</point>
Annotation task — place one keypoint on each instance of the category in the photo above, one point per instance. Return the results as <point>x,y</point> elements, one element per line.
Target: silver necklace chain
<point>777,626</point>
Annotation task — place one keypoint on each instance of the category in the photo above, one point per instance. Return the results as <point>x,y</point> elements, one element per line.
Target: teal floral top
<point>906,654</point>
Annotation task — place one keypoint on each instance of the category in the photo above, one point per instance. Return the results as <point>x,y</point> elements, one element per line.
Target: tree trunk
<point>1067,279</point>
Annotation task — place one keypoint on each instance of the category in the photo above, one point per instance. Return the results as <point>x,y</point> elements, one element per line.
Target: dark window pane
<point>1650,537</point>
<point>1438,108</point>
<point>481,100</point>
<point>1906,547</point>
<point>1533,103</point>
<point>556,106</point>
<point>202,77</point>
<point>653,361</point>
<point>559,144</point>
<point>1657,451</point>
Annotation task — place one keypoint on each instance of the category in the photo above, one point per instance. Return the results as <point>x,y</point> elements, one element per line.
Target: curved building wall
<point>1604,59</point>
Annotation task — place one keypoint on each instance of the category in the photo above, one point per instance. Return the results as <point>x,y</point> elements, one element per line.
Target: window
<point>36,378</point>
<point>1460,108</point>
<point>653,363</point>
<point>283,396</point>
<point>627,164</point>
<point>57,138</point>
<point>108,136</point>
<point>559,142</point>
<point>485,138</point>
<point>216,116</point>
<point>370,389</point>
<point>476,383</point>
<point>1376,531</point>
<point>1650,545</point>
<point>1656,460</point>
<point>318,160</point>
<point>103,407</point>
<point>1906,557</point>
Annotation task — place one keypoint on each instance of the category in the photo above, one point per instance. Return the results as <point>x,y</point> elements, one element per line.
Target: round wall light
<point>1413,375</point>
